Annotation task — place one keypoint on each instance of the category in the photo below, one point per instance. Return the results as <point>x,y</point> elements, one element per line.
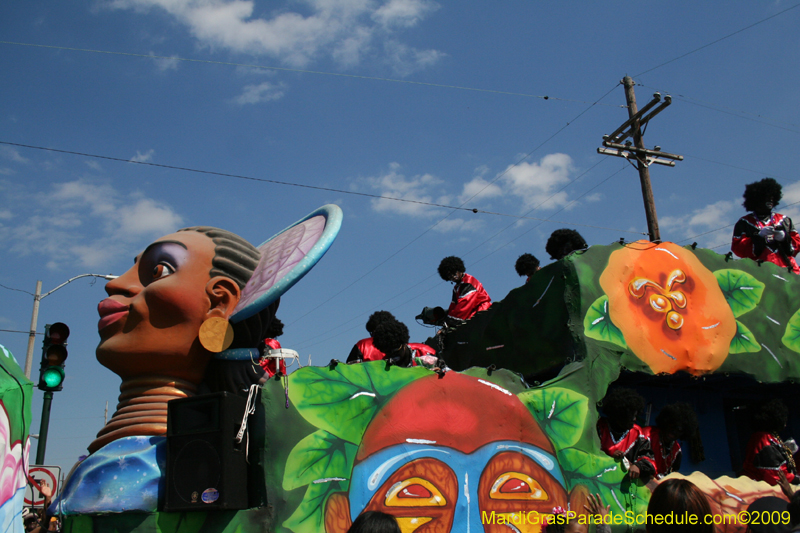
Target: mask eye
<point>414,492</point>
<point>162,270</point>
<point>517,486</point>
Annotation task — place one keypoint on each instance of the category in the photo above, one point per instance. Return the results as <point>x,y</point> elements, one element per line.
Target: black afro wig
<point>526,265</point>
<point>679,419</point>
<point>275,329</point>
<point>756,193</point>
<point>771,416</point>
<point>449,266</point>
<point>378,317</point>
<point>558,241</point>
<point>621,402</point>
<point>389,336</point>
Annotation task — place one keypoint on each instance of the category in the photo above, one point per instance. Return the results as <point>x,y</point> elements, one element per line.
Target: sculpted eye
<point>517,486</point>
<point>414,492</point>
<point>162,270</point>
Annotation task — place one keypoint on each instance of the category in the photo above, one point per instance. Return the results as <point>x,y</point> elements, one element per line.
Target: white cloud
<point>479,188</point>
<point>166,63</point>
<point>263,92</point>
<point>791,195</point>
<point>449,225</point>
<point>344,29</point>
<point>9,152</point>
<point>537,184</point>
<point>405,60</point>
<point>143,157</point>
<point>84,223</point>
<point>94,165</point>
<point>394,184</point>
<point>5,214</point>
<point>710,217</point>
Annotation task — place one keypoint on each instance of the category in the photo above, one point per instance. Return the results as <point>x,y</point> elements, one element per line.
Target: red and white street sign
<point>50,474</point>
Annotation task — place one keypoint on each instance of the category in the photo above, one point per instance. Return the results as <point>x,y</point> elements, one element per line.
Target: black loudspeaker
<point>206,468</point>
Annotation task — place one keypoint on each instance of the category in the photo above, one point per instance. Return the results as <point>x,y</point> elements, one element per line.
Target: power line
<point>19,331</point>
<point>277,182</point>
<point>18,290</point>
<point>730,111</point>
<point>717,40</point>
<point>301,71</point>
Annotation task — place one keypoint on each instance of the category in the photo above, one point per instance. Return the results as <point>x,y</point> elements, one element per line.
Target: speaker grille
<point>197,467</point>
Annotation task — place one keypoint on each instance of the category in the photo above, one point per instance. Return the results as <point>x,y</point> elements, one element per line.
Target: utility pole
<point>644,158</point>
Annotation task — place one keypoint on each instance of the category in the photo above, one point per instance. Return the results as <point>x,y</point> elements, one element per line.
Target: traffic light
<point>54,353</point>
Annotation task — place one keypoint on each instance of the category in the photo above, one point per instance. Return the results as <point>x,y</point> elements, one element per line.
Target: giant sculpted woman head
<point>151,320</point>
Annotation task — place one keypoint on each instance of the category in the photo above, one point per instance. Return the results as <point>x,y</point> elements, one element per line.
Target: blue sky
<point>415,99</point>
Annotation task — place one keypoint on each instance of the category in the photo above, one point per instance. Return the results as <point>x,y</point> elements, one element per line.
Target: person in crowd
<point>683,499</point>
<point>763,235</point>
<point>598,512</point>
<point>271,365</point>
<point>767,454</point>
<point>526,265</point>
<point>374,522</point>
<point>391,338</point>
<point>33,520</point>
<point>772,507</point>
<point>364,350</point>
<point>469,296</point>
<point>563,242</point>
<point>621,437</point>
<point>675,421</point>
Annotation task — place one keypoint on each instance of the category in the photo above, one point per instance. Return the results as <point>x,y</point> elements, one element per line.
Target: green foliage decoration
<point>744,341</point>
<point>741,290</point>
<point>597,324</point>
<point>560,412</point>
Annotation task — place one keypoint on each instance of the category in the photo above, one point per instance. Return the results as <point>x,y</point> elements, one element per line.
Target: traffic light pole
<point>43,427</point>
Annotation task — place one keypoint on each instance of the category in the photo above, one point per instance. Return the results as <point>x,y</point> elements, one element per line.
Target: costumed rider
<point>391,338</point>
<point>563,242</point>
<point>469,296</point>
<point>767,454</point>
<point>526,265</point>
<point>761,234</point>
<point>675,421</point>
<point>270,364</point>
<point>365,350</point>
<point>621,437</point>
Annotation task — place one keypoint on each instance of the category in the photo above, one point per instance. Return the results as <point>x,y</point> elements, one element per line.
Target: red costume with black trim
<point>269,364</point>
<point>633,443</point>
<point>748,244</point>
<point>765,456</point>
<point>365,350</point>
<point>469,297</point>
<point>667,460</point>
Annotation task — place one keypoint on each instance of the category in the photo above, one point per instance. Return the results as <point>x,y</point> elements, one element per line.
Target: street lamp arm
<point>104,276</point>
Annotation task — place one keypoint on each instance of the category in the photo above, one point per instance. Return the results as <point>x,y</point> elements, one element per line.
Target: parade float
<point>507,432</point>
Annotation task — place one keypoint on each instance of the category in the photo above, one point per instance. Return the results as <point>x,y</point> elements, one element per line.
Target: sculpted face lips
<point>110,311</point>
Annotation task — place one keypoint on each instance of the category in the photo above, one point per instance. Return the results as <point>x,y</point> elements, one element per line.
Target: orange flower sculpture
<point>669,308</point>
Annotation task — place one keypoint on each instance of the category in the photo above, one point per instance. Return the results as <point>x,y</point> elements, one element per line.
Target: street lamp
<point>37,297</point>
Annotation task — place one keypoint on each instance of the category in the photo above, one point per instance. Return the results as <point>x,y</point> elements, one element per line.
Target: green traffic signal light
<point>53,376</point>
<point>54,353</point>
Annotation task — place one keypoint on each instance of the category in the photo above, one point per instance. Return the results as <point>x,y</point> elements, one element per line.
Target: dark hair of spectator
<point>526,265</point>
<point>275,329</point>
<point>756,193</point>
<point>374,522</point>
<point>794,509</point>
<point>681,498</point>
<point>564,241</point>
<point>622,402</point>
<point>679,419</point>
<point>378,317</point>
<point>771,416</point>
<point>449,266</point>
<point>389,336</point>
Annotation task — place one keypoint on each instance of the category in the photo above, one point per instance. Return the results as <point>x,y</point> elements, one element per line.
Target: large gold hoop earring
<point>216,334</point>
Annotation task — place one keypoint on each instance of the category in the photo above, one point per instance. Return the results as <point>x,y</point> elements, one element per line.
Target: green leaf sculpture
<point>309,517</point>
<point>603,475</point>
<point>320,455</point>
<point>597,324</point>
<point>741,290</point>
<point>561,413</point>
<point>342,400</point>
<point>791,338</point>
<point>744,340</point>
